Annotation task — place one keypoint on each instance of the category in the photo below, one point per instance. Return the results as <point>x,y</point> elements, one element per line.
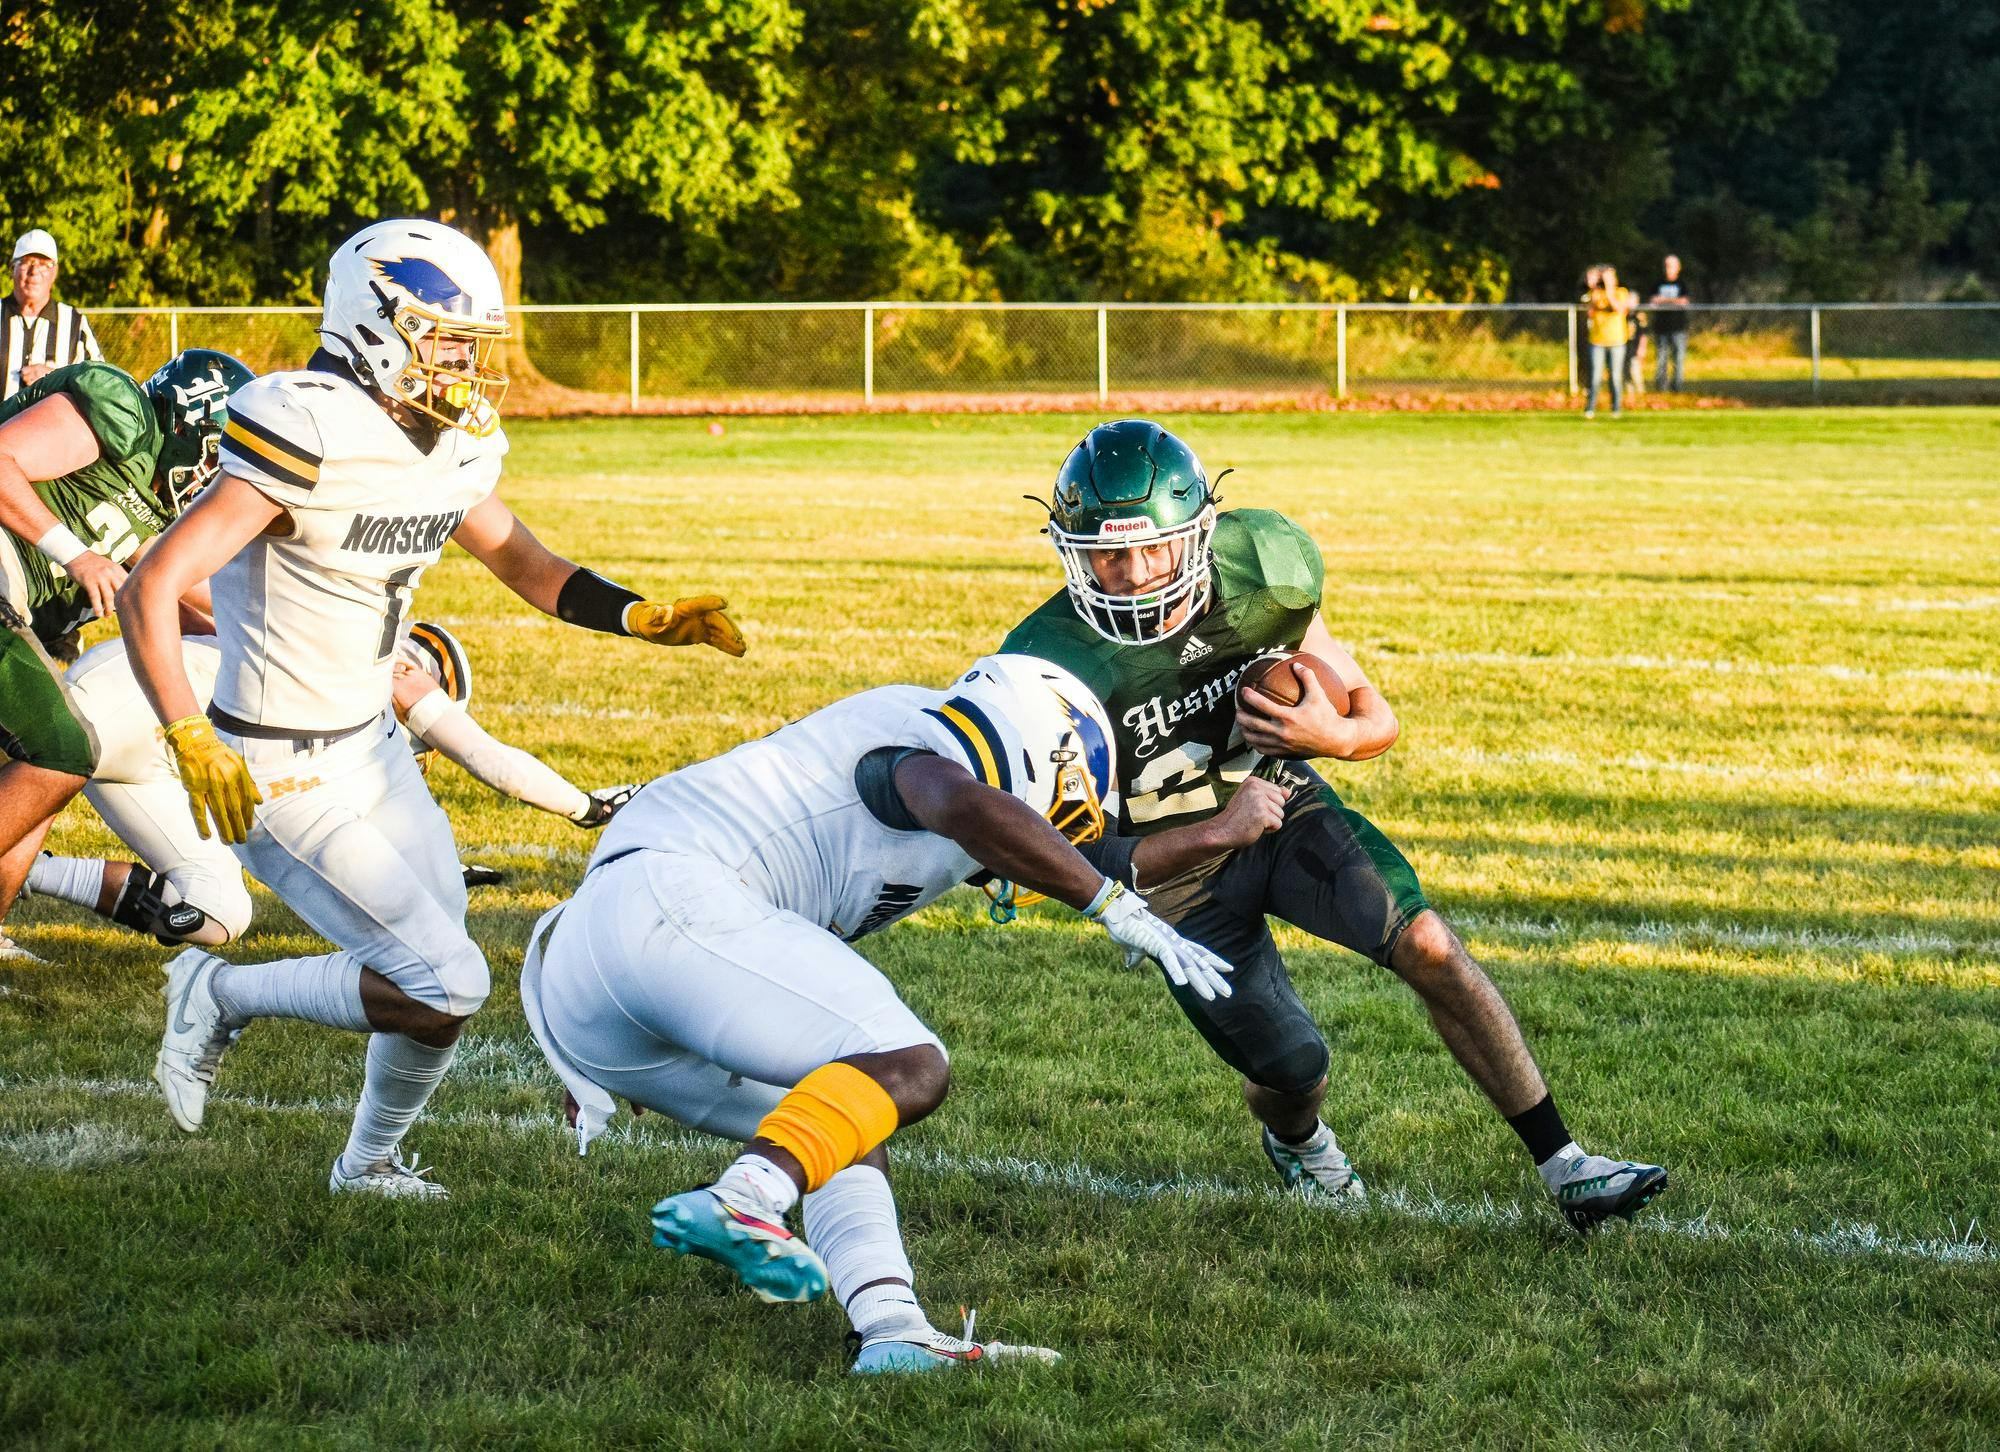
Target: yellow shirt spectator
<point>1609,316</point>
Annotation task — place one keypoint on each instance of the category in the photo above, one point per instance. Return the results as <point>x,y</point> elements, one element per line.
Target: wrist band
<point>590,600</point>
<point>60,545</point>
<point>1105,893</point>
<point>195,720</point>
<point>430,708</point>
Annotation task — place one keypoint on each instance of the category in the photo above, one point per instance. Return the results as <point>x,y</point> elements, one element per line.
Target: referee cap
<point>35,243</point>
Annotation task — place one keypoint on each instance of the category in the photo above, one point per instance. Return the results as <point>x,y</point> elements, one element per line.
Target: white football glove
<point>1141,935</point>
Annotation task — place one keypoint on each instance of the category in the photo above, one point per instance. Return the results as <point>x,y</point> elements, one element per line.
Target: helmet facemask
<point>460,392</point>
<point>1139,619</point>
<point>190,398</point>
<point>184,481</point>
<point>1082,770</point>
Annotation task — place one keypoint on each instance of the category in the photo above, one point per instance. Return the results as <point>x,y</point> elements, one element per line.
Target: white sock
<point>851,1222</point>
<point>1551,1169</point>
<point>401,1076</point>
<point>757,1187</point>
<point>326,989</point>
<point>889,1309</point>
<point>73,879</point>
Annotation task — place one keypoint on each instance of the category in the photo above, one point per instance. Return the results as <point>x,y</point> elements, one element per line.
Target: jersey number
<point>1172,784</point>
<point>116,538</point>
<point>399,586</point>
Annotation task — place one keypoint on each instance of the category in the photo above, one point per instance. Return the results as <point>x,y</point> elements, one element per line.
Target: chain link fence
<point>842,357</point>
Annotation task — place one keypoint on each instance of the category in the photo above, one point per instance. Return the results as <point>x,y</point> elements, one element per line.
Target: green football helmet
<point>190,394</point>
<point>1131,484</point>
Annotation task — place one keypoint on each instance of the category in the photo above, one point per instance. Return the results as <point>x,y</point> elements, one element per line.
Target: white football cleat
<point>929,1349</point>
<point>388,1177</point>
<point>1317,1169</point>
<point>196,1035</point>
<point>1590,1189</point>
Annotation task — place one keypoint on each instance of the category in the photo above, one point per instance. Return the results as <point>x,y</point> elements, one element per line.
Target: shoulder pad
<point>272,437</point>
<point>117,410</point>
<point>1261,549</point>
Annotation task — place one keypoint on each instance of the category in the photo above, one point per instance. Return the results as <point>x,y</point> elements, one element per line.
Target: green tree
<point>1860,244</point>
<point>673,107</point>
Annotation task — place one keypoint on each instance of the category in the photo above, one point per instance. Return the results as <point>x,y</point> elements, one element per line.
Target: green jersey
<point>1173,703</point>
<point>109,503</point>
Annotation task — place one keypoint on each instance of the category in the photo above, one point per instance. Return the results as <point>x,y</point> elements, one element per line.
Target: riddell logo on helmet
<point>1117,528</point>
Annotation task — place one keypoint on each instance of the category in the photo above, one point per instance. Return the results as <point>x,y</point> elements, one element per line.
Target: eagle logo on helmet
<point>425,281</point>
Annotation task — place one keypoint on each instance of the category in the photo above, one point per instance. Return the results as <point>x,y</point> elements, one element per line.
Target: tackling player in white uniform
<point>702,967</point>
<point>340,484</point>
<point>186,888</point>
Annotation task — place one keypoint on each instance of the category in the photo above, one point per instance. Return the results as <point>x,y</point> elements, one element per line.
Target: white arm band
<point>60,545</point>
<point>442,723</point>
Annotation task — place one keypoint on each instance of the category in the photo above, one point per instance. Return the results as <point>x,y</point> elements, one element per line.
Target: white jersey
<point>308,623</point>
<point>784,812</point>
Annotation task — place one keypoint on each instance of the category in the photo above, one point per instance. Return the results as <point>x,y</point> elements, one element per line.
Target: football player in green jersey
<point>1222,822</point>
<point>92,467</point>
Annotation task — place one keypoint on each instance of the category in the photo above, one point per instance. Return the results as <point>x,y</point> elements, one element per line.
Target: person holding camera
<point>1608,313</point>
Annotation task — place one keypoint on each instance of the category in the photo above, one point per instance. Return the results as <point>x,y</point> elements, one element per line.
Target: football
<point>1276,676</point>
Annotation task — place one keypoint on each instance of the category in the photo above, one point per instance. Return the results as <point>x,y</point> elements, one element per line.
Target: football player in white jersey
<point>186,888</point>
<point>340,484</point>
<point>703,970</point>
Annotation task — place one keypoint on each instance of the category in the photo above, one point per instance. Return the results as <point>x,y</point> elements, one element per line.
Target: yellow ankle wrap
<point>834,1116</point>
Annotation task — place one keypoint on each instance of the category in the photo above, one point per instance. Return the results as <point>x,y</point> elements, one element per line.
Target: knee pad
<point>224,899</point>
<point>1292,1068</point>
<point>463,981</point>
<point>149,903</point>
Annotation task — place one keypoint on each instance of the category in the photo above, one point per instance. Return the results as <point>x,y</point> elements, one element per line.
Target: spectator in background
<point>1669,323</point>
<point>40,334</point>
<point>1608,309</point>
<point>1635,344</point>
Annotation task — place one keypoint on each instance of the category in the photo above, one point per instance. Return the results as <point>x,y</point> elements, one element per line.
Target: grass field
<point>1700,753</point>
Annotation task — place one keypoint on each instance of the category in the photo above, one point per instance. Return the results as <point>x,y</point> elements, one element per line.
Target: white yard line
<point>1844,1239</point>
<point>1716,770</point>
<point>1908,943</point>
<point>1654,593</point>
<point>1680,665</point>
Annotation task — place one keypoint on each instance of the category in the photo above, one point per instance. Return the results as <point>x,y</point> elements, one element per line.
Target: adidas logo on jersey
<point>1195,649</point>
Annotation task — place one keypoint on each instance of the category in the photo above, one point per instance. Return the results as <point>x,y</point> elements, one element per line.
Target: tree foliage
<point>1168,149</point>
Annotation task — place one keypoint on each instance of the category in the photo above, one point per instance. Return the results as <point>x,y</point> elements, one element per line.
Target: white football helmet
<point>416,309</point>
<point>1042,735</point>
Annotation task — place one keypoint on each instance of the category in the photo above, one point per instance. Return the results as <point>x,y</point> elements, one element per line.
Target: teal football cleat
<point>1317,1169</point>
<point>767,1258</point>
<point>929,1349</point>
<point>1590,1189</point>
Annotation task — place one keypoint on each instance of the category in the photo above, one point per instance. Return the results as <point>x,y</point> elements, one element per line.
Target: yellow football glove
<point>217,780</point>
<point>697,620</point>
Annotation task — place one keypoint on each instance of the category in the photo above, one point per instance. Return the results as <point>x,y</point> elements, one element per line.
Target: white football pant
<point>668,982</point>
<point>351,840</point>
<point>152,818</point>
<point>137,790</point>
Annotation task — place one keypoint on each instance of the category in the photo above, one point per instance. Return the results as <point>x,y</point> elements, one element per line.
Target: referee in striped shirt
<point>40,333</point>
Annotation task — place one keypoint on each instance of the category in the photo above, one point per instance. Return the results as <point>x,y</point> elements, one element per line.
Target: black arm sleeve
<point>875,782</point>
<point>590,600</point>
<point>1112,856</point>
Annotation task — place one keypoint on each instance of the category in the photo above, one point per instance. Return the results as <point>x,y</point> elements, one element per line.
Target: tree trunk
<point>498,230</point>
<point>503,246</point>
